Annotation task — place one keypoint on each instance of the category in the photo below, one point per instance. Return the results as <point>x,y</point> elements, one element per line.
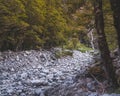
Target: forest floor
<point>41,73</point>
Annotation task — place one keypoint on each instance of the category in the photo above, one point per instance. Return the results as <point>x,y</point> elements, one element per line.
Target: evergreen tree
<point>12,24</point>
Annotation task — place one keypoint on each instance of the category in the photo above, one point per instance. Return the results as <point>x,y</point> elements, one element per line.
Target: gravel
<point>40,73</point>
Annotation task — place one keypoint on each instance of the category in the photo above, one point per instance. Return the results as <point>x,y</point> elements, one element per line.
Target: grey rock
<point>10,90</point>
<point>38,91</point>
<point>38,82</point>
<point>12,69</point>
<point>105,95</point>
<point>91,86</point>
<point>17,58</point>
<point>113,94</point>
<point>24,75</point>
<point>93,94</point>
<point>22,94</point>
<point>32,71</point>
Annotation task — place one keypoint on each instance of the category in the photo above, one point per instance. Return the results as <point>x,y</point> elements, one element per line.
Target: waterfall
<point>91,37</point>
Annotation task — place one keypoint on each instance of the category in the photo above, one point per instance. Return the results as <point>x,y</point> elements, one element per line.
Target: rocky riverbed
<point>40,73</point>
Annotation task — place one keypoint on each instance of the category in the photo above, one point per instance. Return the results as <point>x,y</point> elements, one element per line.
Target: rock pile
<point>29,72</point>
<point>40,73</point>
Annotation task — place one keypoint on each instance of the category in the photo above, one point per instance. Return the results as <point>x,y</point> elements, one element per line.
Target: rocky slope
<point>40,73</point>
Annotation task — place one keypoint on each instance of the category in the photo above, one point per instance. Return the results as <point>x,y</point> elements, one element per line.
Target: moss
<point>83,48</point>
<point>63,53</point>
<point>76,45</point>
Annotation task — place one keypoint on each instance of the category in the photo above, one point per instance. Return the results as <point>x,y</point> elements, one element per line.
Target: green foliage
<point>75,44</point>
<point>12,24</point>
<point>109,26</point>
<point>55,27</point>
<point>34,24</point>
<point>63,53</point>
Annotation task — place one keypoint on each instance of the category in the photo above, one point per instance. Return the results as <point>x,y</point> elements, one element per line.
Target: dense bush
<point>34,24</point>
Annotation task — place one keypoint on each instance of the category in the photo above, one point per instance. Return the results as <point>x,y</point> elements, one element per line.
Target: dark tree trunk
<point>102,42</point>
<point>115,5</point>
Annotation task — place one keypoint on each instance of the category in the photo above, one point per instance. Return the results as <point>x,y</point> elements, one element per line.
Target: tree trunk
<point>115,6</point>
<point>102,42</point>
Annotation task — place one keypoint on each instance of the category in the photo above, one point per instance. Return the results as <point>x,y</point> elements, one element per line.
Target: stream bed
<point>40,73</point>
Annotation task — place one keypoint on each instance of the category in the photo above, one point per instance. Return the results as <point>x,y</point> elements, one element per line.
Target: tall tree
<point>115,5</point>
<point>102,43</point>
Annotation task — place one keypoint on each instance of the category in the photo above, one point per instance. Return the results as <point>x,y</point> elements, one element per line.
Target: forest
<point>36,24</point>
<point>82,25</point>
